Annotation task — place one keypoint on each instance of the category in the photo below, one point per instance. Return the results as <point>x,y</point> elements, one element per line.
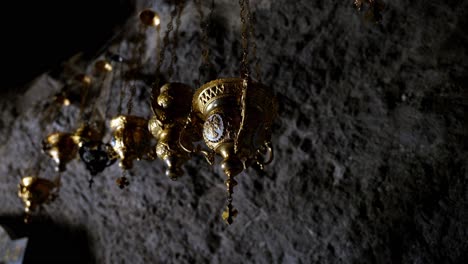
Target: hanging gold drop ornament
<point>62,99</point>
<point>237,115</point>
<point>171,110</point>
<point>103,66</point>
<point>35,191</point>
<point>61,147</point>
<point>84,79</point>
<point>171,106</point>
<point>131,139</point>
<point>149,18</point>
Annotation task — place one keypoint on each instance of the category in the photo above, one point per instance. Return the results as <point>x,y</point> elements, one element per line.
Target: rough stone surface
<point>370,143</point>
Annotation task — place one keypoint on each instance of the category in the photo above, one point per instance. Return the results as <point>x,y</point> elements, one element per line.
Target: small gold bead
<point>103,66</point>
<point>149,18</point>
<point>83,79</point>
<point>62,99</point>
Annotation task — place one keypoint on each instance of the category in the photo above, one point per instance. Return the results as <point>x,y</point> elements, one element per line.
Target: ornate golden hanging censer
<point>171,110</point>
<point>237,114</point>
<point>131,139</point>
<point>171,104</point>
<point>95,154</point>
<point>35,191</point>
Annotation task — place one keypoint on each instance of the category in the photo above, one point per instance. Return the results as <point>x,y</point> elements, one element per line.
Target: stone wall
<point>370,144</point>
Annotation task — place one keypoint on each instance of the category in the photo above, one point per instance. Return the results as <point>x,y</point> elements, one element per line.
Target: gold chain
<point>101,86</point>
<point>112,82</point>
<point>204,26</point>
<point>122,87</point>
<point>252,21</point>
<point>244,66</point>
<point>245,39</point>
<point>170,27</point>
<point>180,7</point>
<point>84,97</point>
<point>134,68</point>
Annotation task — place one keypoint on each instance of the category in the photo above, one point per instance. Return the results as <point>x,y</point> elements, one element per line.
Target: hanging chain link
<point>205,24</point>
<point>122,87</point>
<point>93,106</point>
<point>162,51</point>
<point>252,22</point>
<point>204,36</point>
<point>112,83</point>
<point>245,74</point>
<point>175,39</point>
<point>134,67</point>
<point>244,39</point>
<point>84,97</point>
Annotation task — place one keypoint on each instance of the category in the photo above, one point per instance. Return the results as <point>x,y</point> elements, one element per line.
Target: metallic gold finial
<point>230,212</point>
<point>149,18</point>
<point>122,182</point>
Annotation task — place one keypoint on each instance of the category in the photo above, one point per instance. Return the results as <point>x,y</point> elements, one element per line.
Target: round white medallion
<point>213,129</point>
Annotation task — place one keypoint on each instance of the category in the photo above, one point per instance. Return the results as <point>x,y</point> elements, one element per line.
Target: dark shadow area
<point>50,242</point>
<point>37,35</point>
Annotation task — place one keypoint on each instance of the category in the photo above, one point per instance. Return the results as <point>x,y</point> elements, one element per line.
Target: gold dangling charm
<point>230,212</point>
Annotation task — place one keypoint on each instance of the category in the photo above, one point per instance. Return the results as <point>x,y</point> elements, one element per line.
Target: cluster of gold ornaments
<point>232,116</point>
<point>63,147</point>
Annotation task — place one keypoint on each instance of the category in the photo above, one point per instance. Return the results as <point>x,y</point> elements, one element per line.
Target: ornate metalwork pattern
<point>207,94</point>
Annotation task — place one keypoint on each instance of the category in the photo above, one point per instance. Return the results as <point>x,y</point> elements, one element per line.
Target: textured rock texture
<point>371,144</point>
